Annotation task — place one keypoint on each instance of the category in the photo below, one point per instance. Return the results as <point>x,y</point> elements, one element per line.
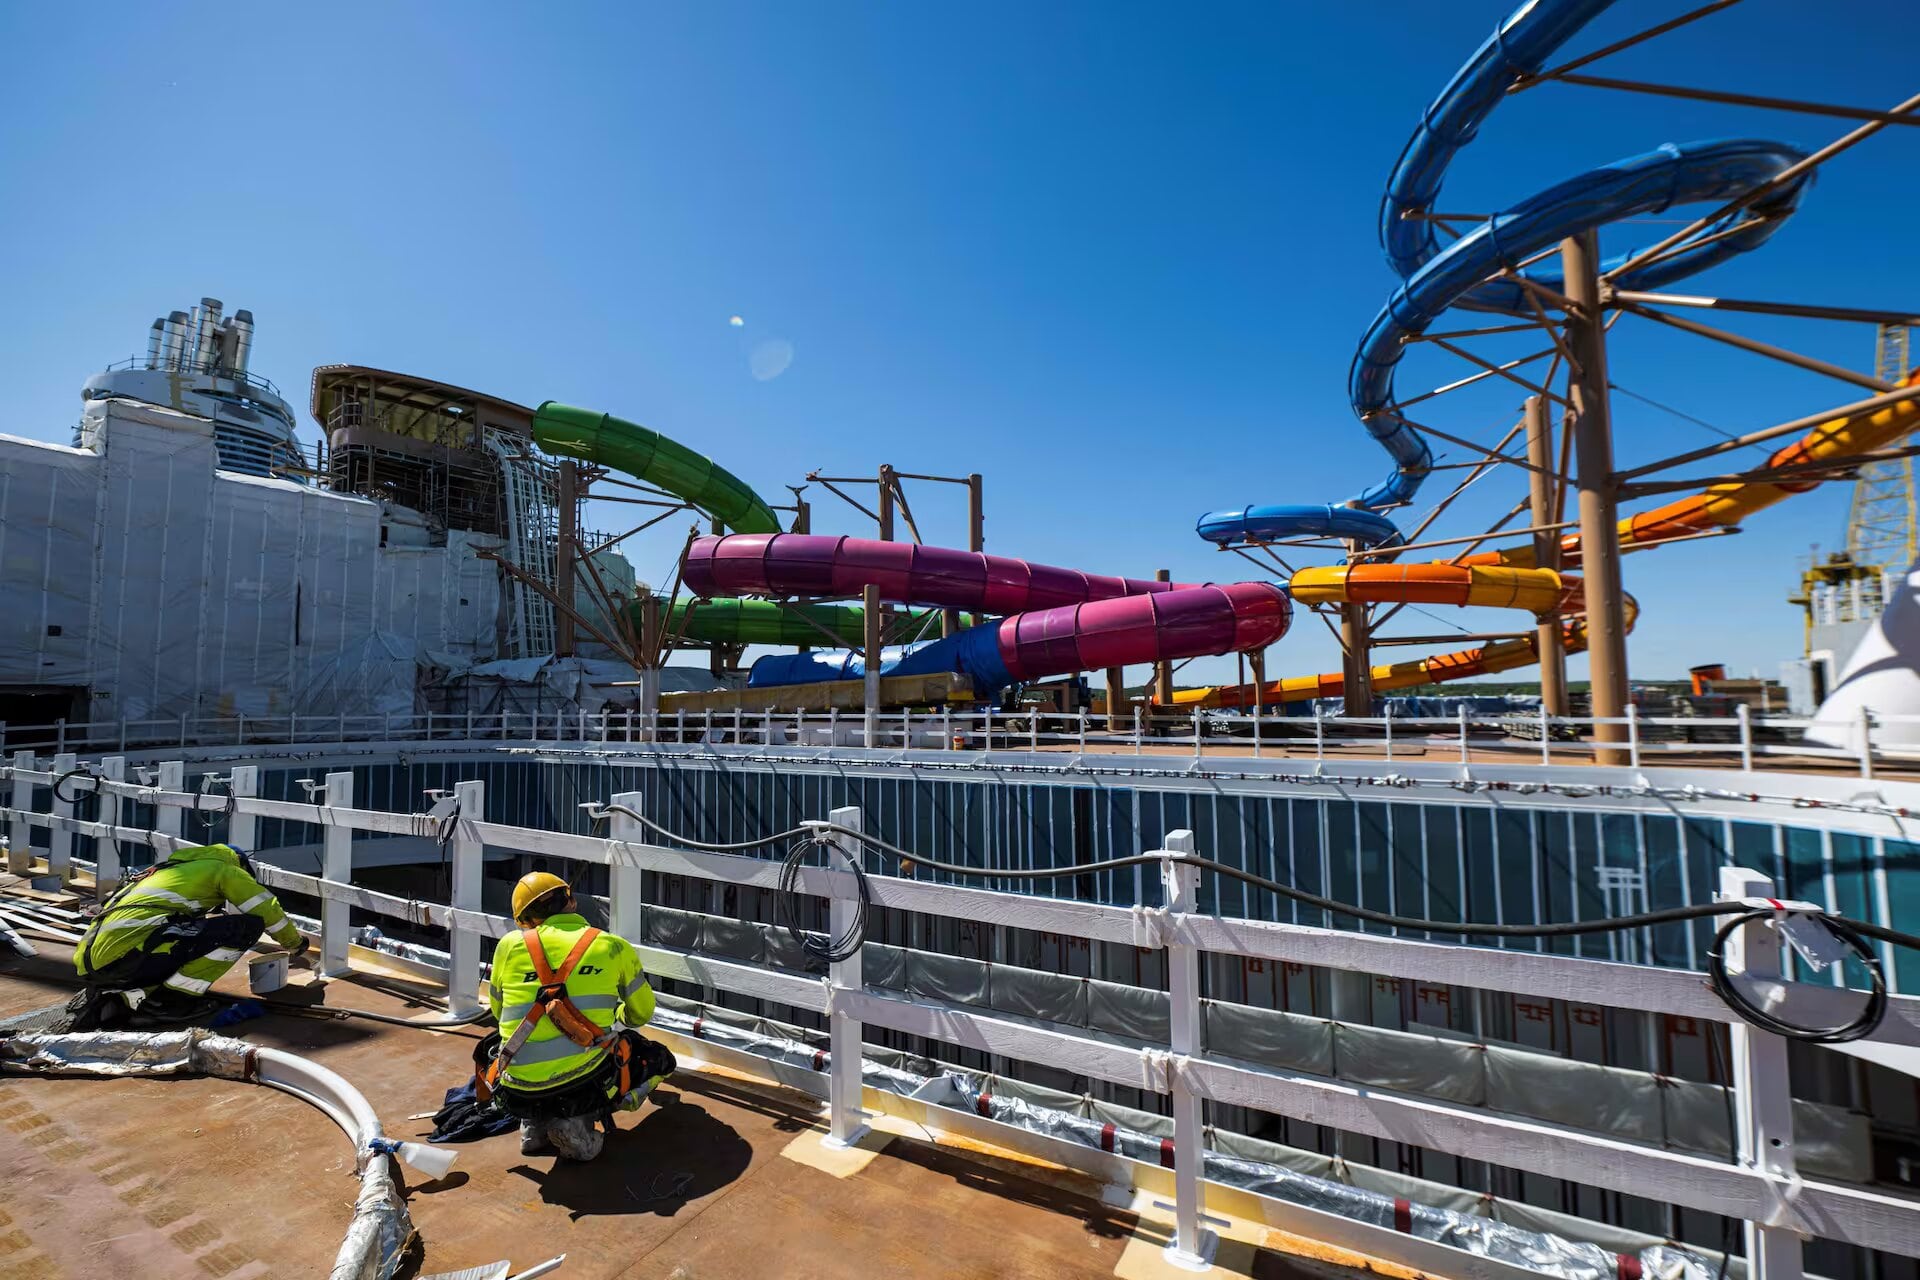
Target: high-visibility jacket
<point>607,984</point>
<point>193,882</point>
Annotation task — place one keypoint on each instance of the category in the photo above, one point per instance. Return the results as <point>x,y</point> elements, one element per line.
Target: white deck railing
<point>1743,740</point>
<point>1760,1187</point>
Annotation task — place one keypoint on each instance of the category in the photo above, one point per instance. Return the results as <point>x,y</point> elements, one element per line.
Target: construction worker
<point>162,941</point>
<point>566,996</point>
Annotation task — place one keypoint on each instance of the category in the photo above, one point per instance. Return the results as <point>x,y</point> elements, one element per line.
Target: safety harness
<point>551,1001</point>
<point>127,886</point>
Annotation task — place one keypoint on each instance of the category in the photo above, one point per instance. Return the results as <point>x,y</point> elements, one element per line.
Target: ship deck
<point>194,1177</point>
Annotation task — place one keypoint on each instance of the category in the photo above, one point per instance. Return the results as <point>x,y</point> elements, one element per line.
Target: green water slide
<point>607,441</point>
<point>645,454</point>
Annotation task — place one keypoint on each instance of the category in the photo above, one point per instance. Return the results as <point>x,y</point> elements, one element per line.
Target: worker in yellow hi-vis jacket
<point>567,997</point>
<point>156,944</point>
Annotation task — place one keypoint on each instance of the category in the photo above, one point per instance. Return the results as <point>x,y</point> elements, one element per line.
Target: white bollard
<point>464,941</point>
<point>1193,1246</point>
<point>846,1119</point>
<point>19,834</point>
<point>626,904</point>
<point>337,865</point>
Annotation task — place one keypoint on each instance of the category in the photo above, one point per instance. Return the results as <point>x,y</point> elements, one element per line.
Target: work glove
<point>299,949</point>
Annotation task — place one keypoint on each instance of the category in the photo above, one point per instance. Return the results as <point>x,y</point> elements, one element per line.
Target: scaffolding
<point>1882,534</point>
<point>530,508</point>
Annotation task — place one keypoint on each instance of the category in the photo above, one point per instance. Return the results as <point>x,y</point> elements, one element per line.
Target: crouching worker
<point>162,940</point>
<point>566,997</point>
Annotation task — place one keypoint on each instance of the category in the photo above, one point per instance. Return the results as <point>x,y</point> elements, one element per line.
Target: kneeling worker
<point>561,1065</point>
<point>156,946</point>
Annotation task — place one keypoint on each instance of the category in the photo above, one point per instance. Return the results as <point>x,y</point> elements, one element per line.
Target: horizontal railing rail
<point>1742,740</point>
<point>1761,1185</point>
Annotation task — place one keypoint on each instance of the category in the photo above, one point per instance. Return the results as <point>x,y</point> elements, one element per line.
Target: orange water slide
<point>1507,578</point>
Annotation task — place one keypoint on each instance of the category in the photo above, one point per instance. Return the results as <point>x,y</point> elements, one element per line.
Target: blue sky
<point>1114,256</point>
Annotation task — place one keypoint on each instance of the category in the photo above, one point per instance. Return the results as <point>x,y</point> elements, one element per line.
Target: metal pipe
<point>1356,660</point>
<point>206,341</point>
<point>1757,347</point>
<point>870,605</point>
<point>1163,670</point>
<point>563,551</point>
<point>1461,637</point>
<point>1764,189</point>
<point>1861,315</point>
<point>1807,423</point>
<point>155,337</point>
<point>174,348</point>
<point>1546,527</point>
<point>1737,99</point>
<point>242,324</point>
<point>1546,555</point>
<point>1592,428</point>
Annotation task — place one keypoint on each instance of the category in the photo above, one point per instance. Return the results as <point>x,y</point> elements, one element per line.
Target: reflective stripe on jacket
<point>608,984</point>
<point>193,882</point>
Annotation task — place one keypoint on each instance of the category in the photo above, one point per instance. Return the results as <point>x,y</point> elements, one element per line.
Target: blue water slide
<point>1437,278</point>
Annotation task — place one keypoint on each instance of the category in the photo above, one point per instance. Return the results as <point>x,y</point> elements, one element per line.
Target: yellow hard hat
<point>532,887</point>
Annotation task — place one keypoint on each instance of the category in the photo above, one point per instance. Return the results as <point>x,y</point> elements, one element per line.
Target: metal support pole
<point>464,941</point>
<point>626,901</point>
<point>1356,663</point>
<point>59,834</point>
<point>1192,1246</point>
<point>336,865</point>
<point>1592,427</point>
<point>846,1120</point>
<point>1546,553</point>
<point>1163,670</point>
<point>1744,714</point>
<point>650,654</point>
<point>563,559</point>
<point>870,605</point>
<point>106,850</point>
<point>1763,1098</point>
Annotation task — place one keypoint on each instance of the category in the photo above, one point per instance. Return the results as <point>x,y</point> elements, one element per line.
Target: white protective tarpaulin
<point>136,569</point>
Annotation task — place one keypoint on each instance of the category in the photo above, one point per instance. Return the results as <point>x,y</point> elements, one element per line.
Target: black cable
<point>834,949</point>
<point>205,816</point>
<point>1853,933</point>
<point>82,771</point>
<point>1858,1027</point>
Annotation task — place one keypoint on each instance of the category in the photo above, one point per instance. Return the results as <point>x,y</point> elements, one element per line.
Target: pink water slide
<point>1057,620</point>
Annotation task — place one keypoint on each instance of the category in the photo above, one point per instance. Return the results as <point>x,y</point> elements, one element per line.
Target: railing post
<point>986,741</point>
<point>846,1120</point>
<point>1386,721</point>
<point>337,865</point>
<point>1744,714</point>
<point>168,819</point>
<point>1192,1246</point>
<point>1866,743</point>
<point>1763,1098</point>
<point>1033,730</point>
<point>106,849</point>
<point>626,905</point>
<point>1463,734</point>
<point>736,728</point>
<point>1081,740</point>
<point>1319,733</point>
<point>1546,734</point>
<point>1633,734</point>
<point>183,728</point>
<point>1139,727</point>
<point>463,941</point>
<point>946,727</point>
<point>60,736</point>
<point>243,829</point>
<point>19,834</point>
<point>469,724</point>
<point>1196,733</point>
<point>59,835</point>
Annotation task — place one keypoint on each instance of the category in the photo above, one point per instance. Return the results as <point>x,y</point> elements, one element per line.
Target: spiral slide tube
<point>1436,278</point>
<point>1060,620</point>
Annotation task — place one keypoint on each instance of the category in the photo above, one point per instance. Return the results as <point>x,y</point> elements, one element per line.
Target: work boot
<point>576,1138</point>
<point>533,1138</point>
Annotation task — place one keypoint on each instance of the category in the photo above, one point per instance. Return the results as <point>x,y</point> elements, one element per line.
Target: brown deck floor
<point>219,1180</point>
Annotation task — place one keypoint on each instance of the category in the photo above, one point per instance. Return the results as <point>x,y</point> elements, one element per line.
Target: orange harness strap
<point>551,1001</point>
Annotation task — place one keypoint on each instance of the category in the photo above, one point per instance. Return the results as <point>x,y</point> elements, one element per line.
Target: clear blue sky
<point>1114,256</point>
